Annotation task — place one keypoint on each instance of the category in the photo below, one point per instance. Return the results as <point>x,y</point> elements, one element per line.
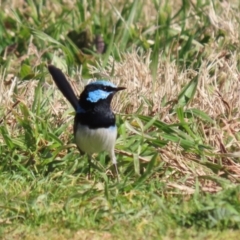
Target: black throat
<point>96,115</point>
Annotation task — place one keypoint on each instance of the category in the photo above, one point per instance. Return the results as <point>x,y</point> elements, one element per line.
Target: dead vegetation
<point>217,95</point>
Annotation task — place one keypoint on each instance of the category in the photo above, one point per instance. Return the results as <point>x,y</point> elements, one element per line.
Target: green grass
<point>65,201</point>
<point>178,120</point>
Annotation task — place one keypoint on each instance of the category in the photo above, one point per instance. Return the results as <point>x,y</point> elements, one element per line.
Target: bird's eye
<point>105,88</point>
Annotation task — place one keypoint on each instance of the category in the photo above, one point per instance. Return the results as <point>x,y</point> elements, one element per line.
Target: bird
<point>94,123</point>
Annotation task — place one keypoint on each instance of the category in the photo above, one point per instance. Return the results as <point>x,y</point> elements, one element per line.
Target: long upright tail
<point>63,85</point>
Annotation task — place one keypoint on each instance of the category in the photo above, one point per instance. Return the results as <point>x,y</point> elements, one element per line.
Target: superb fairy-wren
<point>95,124</point>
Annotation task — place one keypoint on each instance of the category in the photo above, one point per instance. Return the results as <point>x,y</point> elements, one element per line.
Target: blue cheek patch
<point>97,95</point>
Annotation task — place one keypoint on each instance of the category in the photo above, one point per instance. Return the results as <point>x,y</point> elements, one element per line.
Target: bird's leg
<point>114,161</point>
<point>89,166</point>
<point>116,169</point>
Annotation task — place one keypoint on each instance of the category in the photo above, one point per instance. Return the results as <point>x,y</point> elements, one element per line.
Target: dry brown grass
<point>217,95</point>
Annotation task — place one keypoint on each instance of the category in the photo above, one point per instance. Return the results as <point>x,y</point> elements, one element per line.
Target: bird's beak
<point>120,89</point>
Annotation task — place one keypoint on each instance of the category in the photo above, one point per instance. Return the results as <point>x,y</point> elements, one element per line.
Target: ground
<point>178,122</point>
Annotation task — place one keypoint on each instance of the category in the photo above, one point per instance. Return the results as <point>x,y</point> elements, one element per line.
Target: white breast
<point>95,140</point>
